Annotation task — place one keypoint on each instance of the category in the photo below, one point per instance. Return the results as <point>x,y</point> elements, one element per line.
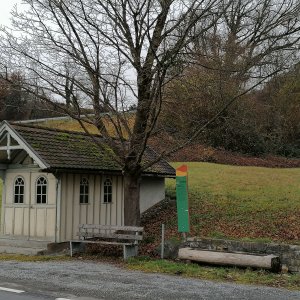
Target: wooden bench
<point>127,236</point>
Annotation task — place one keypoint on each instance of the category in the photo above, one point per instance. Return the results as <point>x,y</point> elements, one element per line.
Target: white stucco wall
<point>152,191</point>
<point>29,219</point>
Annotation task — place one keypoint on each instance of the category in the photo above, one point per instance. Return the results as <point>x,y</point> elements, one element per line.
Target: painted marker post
<point>182,200</point>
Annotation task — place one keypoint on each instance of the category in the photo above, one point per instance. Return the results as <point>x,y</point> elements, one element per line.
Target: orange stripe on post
<point>182,171</point>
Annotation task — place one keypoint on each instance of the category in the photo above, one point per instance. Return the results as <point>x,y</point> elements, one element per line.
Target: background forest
<point>265,120</point>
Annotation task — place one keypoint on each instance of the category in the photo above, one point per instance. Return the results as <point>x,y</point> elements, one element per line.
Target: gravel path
<point>87,280</point>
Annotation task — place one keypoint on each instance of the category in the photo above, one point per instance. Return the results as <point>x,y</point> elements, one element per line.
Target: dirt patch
<point>162,213</point>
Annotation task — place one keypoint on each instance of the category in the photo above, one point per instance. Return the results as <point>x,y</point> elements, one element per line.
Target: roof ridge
<point>53,129</point>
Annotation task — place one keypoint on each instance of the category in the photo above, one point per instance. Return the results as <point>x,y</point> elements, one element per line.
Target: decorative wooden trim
<point>11,132</point>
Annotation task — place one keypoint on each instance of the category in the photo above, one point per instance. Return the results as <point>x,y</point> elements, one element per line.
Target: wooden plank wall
<point>95,212</point>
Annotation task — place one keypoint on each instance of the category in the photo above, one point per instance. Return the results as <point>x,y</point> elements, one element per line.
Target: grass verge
<point>187,270</point>
<point>33,258</point>
<point>234,275</point>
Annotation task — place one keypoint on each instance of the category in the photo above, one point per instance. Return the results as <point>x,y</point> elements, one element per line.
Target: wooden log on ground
<point>269,262</point>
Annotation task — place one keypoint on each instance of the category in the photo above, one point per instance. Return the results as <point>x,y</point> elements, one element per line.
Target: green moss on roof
<point>63,136</point>
<point>73,150</point>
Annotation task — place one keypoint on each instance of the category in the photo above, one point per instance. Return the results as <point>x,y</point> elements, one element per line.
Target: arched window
<point>107,193</point>
<point>19,190</point>
<point>84,191</point>
<point>41,190</point>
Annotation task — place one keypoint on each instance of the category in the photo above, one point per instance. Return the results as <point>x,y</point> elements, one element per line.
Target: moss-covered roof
<point>61,149</point>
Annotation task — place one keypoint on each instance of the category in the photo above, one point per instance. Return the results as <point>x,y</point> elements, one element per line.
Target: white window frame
<point>107,193</point>
<point>19,195</point>
<point>84,195</point>
<point>41,194</point>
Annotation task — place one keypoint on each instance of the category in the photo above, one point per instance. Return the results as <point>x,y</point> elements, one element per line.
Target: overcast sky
<point>6,7</point>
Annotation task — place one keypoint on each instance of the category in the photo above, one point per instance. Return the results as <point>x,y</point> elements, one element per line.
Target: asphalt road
<point>23,296</point>
<point>90,280</point>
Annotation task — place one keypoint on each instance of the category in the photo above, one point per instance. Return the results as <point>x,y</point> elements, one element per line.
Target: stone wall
<point>289,254</point>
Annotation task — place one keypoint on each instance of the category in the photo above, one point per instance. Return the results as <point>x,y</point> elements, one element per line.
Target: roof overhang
<point>82,171</point>
<point>149,174</point>
<point>100,172</point>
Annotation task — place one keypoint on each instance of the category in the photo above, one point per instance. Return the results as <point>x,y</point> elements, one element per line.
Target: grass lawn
<point>242,202</point>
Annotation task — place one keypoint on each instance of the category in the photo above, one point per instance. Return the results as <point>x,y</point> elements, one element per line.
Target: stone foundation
<point>289,254</point>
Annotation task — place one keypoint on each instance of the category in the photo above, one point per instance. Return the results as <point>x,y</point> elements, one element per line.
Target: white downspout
<point>58,209</point>
<point>3,206</point>
<point>30,207</point>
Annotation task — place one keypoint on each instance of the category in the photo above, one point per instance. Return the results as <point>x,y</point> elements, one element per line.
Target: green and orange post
<point>182,200</point>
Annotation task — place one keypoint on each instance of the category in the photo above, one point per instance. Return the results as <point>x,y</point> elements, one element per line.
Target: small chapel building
<point>54,180</point>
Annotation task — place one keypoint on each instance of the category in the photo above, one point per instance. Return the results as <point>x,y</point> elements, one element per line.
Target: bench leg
<point>71,249</point>
<point>76,247</point>
<point>129,251</point>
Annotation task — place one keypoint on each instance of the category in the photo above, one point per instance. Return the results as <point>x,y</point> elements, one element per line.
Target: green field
<point>243,202</point>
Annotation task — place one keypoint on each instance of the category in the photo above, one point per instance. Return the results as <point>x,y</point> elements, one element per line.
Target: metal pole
<point>184,236</point>
<point>162,241</point>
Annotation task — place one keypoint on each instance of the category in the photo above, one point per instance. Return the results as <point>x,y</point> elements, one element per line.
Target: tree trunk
<point>271,262</point>
<point>131,200</point>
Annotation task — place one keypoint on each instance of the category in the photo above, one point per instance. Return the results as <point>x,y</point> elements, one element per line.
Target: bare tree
<point>118,53</point>
<point>251,42</point>
<point>14,100</point>
<point>252,39</point>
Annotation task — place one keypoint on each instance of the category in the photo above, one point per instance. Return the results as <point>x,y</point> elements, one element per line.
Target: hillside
<point>74,125</point>
<point>191,153</point>
<point>197,152</point>
<point>234,202</point>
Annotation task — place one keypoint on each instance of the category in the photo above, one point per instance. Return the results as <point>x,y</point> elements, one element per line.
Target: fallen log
<point>269,262</point>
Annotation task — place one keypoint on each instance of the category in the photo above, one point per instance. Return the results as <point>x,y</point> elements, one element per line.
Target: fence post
<point>162,241</point>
